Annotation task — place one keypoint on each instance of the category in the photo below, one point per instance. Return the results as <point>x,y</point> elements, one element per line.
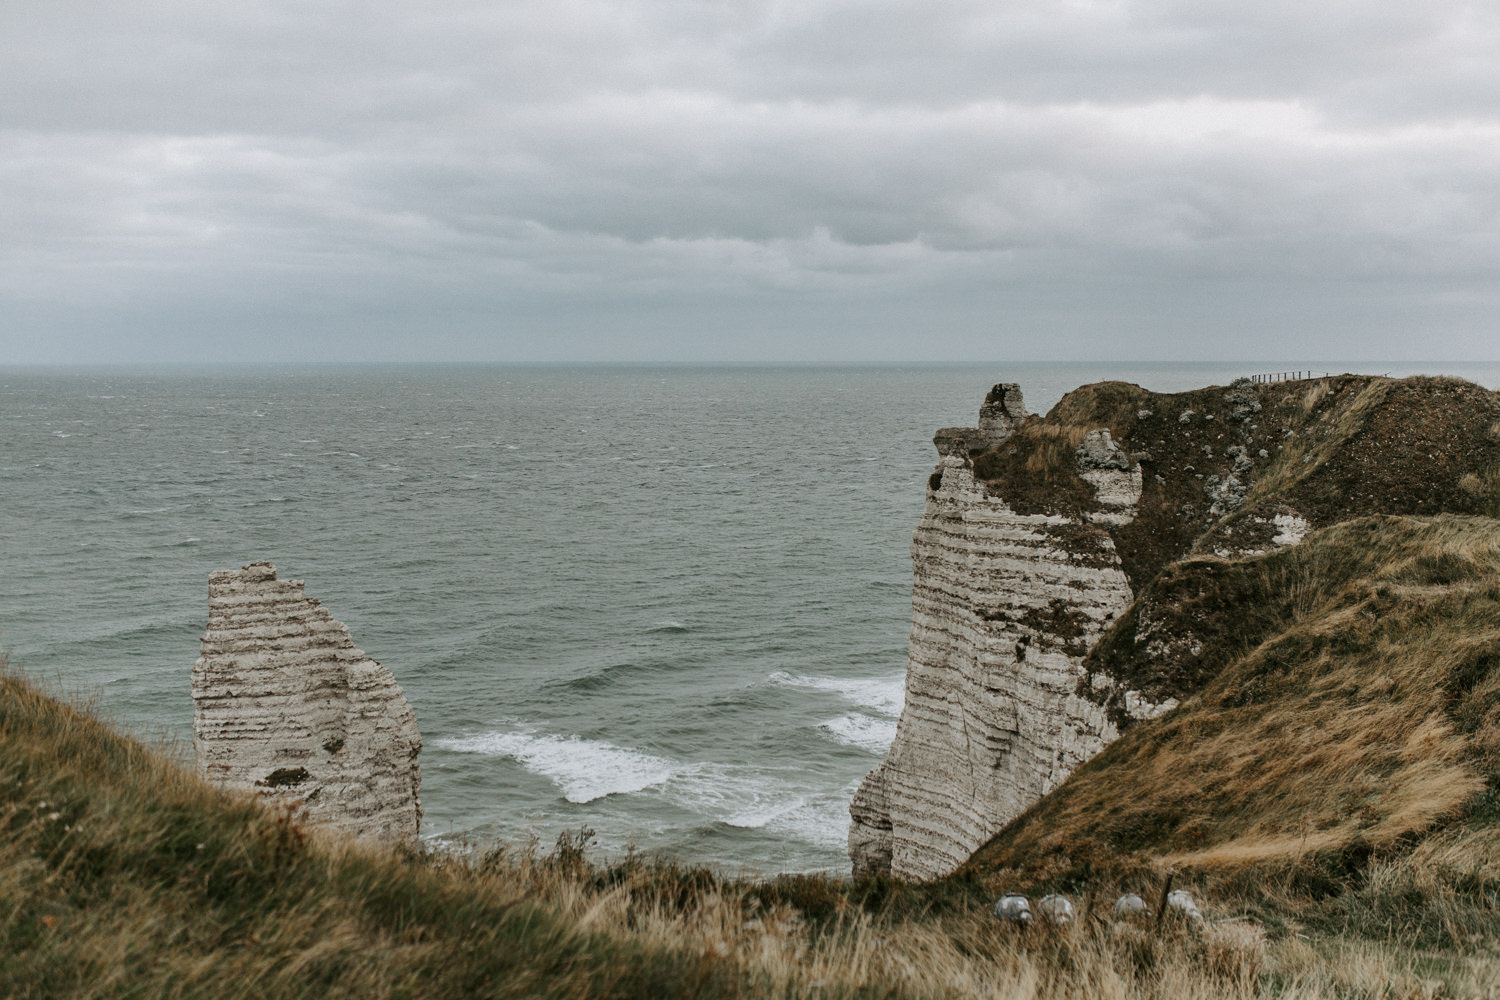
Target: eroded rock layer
<point>1040,533</point>
<point>1004,607</point>
<point>285,706</point>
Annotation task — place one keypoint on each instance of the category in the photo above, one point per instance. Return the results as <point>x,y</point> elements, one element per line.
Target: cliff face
<point>1004,606</point>
<point>1039,533</point>
<point>285,705</point>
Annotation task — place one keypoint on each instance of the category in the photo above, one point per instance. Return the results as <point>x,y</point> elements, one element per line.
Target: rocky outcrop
<point>285,706</point>
<point>1039,535</point>
<point>1004,607</point>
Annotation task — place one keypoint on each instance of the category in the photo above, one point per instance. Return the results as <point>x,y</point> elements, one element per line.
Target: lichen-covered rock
<point>285,706</point>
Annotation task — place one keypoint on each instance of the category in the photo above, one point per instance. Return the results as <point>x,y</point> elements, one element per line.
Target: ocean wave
<point>736,795</point>
<point>584,770</point>
<point>822,820</point>
<point>885,695</point>
<point>750,798</point>
<point>122,635</point>
<point>859,730</point>
<point>668,626</point>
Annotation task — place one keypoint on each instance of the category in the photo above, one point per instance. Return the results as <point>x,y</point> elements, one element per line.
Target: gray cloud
<point>823,180</point>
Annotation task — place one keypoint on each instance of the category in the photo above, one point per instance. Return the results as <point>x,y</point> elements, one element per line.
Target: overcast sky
<point>701,180</point>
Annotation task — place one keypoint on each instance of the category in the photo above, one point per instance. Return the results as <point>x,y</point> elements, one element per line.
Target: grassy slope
<point>123,875</point>
<point>1341,761</point>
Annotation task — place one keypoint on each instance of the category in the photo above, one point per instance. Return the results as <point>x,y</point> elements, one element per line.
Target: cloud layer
<point>825,180</point>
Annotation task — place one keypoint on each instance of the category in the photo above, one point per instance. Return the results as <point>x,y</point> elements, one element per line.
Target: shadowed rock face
<point>285,706</point>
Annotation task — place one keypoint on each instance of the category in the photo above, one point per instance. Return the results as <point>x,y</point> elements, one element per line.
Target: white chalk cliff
<point>1004,607</point>
<point>285,706</point>
<point>1046,613</point>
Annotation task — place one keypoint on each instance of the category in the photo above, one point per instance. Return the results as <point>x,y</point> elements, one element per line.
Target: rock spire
<point>285,706</point>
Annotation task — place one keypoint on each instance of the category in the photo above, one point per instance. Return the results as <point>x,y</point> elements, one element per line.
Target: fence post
<point>1161,904</point>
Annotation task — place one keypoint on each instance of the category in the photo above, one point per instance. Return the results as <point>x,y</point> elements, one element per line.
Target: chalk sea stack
<point>286,706</point>
<point>1065,566</point>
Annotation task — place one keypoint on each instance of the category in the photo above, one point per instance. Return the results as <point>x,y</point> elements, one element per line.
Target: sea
<point>669,605</point>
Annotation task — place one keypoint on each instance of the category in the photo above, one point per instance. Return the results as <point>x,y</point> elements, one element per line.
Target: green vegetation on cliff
<point>1220,463</point>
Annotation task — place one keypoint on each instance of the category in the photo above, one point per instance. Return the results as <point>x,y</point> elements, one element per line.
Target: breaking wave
<point>776,800</point>
<point>885,695</point>
<point>584,770</point>
<point>856,729</point>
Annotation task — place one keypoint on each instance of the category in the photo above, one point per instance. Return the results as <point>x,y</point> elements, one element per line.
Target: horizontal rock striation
<point>1043,536</point>
<point>1004,607</point>
<point>285,706</point>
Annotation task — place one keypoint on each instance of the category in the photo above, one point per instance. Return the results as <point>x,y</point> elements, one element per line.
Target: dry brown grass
<point>857,951</point>
<point>122,875</point>
<point>1053,449</point>
<point>1345,769</point>
<point>1320,438</point>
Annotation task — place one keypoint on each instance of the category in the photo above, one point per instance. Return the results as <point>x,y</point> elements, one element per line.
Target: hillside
<point>1342,741</point>
<point>1050,611</point>
<point>122,875</point>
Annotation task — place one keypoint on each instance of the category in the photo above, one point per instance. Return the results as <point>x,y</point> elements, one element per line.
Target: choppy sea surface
<point>667,604</point>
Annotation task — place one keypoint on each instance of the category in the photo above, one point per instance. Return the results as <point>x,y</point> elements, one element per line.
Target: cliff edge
<point>1038,637</point>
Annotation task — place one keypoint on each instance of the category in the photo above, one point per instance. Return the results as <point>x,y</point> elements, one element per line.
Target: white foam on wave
<point>583,769</point>
<point>885,695</point>
<point>822,820</point>
<point>859,730</point>
<point>776,800</point>
<point>762,799</point>
<point>668,625</point>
